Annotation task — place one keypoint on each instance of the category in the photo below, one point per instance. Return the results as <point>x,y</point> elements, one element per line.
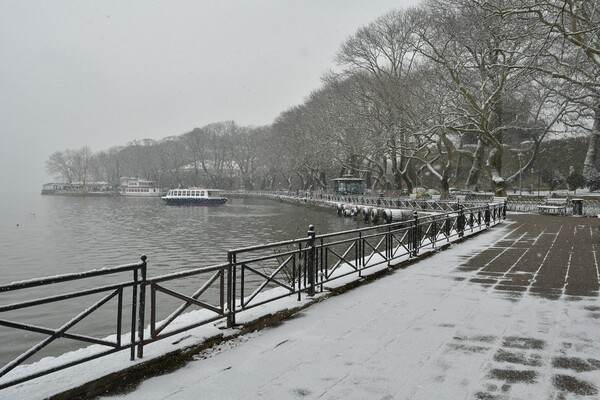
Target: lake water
<point>50,235</point>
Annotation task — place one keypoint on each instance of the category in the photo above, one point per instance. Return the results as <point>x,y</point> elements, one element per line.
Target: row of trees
<point>450,89</point>
<point>219,155</point>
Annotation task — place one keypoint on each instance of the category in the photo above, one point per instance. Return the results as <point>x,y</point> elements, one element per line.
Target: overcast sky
<point>102,73</point>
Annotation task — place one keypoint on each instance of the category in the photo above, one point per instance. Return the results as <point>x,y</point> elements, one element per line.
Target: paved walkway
<point>549,256</point>
<point>512,314</point>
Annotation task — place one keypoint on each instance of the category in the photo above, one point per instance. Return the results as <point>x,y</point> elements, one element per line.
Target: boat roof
<point>199,188</point>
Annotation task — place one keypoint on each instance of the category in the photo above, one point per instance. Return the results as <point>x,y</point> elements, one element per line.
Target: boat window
<point>202,193</point>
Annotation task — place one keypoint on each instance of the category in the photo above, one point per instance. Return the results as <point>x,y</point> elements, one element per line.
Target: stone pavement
<point>544,255</point>
<point>553,258</point>
<point>513,314</point>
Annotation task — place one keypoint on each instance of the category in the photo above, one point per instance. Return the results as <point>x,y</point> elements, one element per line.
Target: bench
<point>553,205</point>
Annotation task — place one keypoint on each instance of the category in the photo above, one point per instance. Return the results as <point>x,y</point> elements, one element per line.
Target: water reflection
<point>69,234</point>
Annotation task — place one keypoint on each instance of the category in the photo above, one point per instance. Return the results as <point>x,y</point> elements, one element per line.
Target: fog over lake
<point>101,74</point>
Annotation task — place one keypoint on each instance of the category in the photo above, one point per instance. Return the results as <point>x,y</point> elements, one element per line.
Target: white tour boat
<point>139,188</point>
<point>194,197</point>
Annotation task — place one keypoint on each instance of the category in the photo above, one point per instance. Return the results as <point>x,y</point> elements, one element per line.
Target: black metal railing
<point>134,273</point>
<point>303,265</point>
<point>514,202</point>
<point>252,276</point>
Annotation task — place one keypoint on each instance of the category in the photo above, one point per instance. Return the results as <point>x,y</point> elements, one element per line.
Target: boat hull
<point>216,201</point>
<point>141,194</point>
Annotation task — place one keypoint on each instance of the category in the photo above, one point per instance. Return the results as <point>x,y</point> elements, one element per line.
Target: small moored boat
<point>194,197</point>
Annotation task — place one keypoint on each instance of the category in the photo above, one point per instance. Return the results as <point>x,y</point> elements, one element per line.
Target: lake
<point>51,235</point>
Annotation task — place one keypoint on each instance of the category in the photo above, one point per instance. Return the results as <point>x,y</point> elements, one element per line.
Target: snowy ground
<point>486,319</point>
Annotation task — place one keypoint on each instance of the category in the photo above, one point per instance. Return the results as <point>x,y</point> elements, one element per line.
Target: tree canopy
<point>448,93</point>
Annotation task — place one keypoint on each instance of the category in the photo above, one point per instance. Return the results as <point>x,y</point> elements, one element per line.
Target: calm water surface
<point>51,235</point>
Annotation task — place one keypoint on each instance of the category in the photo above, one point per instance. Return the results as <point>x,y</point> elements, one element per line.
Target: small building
<point>55,188</point>
<point>349,184</point>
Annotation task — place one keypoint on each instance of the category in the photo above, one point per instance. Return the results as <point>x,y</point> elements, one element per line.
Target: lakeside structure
<point>79,189</point>
<point>129,187</point>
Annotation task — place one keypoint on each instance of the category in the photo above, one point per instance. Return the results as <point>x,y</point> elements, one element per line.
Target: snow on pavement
<point>424,332</point>
<point>433,330</point>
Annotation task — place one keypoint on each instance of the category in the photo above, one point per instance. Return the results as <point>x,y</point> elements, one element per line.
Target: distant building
<point>79,189</point>
<point>55,188</point>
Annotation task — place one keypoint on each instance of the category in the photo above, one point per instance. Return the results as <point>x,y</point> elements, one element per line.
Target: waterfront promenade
<point>511,314</point>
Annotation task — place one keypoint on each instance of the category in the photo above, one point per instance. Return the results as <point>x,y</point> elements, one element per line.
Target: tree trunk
<point>590,165</point>
<point>495,164</point>
<point>477,166</point>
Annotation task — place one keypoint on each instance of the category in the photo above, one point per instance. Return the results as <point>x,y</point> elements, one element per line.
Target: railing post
<point>486,216</point>
<point>230,290</point>
<point>359,261</point>
<point>134,310</point>
<point>388,245</point>
<point>301,270</point>
<point>415,234</point>
<point>142,312</point>
<point>471,219</point>
<point>433,234</point>
<point>311,260</point>
<point>460,221</point>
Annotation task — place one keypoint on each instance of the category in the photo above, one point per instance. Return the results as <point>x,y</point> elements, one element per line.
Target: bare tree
<point>568,51</point>
<point>106,165</point>
<point>60,164</point>
<point>245,151</point>
<point>216,159</point>
<point>379,59</point>
<point>482,58</point>
<point>81,164</point>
